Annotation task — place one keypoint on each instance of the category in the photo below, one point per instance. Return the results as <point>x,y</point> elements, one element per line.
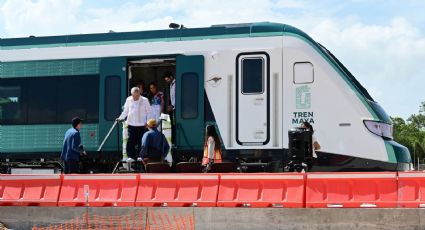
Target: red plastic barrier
<point>99,190</point>
<point>351,190</point>
<point>177,190</point>
<point>411,189</point>
<point>29,190</point>
<point>261,190</point>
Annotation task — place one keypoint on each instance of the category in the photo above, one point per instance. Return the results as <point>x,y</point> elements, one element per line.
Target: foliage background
<point>411,133</point>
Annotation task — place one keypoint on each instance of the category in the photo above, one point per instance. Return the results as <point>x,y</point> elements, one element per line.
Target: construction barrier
<point>29,190</point>
<point>177,190</point>
<point>351,190</point>
<point>411,189</point>
<point>261,190</point>
<point>99,190</point>
<point>311,190</point>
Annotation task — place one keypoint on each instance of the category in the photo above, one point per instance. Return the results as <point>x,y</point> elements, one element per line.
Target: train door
<point>189,102</point>
<point>252,99</point>
<point>112,97</point>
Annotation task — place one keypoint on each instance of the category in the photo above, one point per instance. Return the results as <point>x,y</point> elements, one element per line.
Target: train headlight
<point>380,128</point>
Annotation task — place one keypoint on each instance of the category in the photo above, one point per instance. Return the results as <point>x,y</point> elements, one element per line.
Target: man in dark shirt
<point>72,148</point>
<point>170,79</point>
<point>154,144</point>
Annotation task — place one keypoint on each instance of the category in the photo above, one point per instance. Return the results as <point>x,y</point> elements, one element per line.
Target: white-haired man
<point>137,111</point>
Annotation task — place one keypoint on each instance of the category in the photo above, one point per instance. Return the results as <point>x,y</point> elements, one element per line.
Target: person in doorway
<point>143,90</point>
<point>316,145</point>
<point>212,148</point>
<point>155,146</point>
<point>72,149</point>
<point>137,110</point>
<point>157,102</point>
<point>169,78</point>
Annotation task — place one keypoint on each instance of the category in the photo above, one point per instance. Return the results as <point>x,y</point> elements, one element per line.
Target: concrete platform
<point>209,218</point>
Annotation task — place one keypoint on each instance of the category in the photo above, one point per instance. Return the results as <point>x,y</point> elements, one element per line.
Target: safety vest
<point>216,157</point>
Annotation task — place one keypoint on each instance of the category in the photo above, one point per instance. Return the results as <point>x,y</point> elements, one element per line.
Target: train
<point>253,81</point>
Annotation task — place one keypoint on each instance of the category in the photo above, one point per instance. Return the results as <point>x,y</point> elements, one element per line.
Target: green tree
<point>418,120</point>
<point>411,133</point>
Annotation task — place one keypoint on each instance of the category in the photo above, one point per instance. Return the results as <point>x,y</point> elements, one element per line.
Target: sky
<point>382,42</point>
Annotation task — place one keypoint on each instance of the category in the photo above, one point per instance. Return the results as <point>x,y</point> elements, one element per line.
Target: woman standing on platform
<point>212,148</point>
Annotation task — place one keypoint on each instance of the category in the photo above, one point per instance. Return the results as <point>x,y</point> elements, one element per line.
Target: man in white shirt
<point>169,78</point>
<point>137,110</point>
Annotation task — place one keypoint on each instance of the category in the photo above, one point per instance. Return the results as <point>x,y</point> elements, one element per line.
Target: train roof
<point>258,29</point>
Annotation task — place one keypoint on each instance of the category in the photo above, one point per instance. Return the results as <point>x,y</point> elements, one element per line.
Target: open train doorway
<point>147,74</point>
<point>187,117</point>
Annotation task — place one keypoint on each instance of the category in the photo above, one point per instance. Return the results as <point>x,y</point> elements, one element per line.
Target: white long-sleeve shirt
<point>211,147</point>
<point>314,150</point>
<point>137,112</point>
<point>173,93</point>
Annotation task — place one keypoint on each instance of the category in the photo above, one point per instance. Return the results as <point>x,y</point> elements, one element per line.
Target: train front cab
<point>354,132</point>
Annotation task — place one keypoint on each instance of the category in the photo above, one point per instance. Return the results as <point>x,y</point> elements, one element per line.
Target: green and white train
<point>253,81</point>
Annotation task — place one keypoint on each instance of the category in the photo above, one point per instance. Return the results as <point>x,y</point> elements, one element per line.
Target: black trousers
<point>135,134</point>
<point>72,166</point>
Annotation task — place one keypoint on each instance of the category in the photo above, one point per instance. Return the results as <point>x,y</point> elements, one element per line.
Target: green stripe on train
<point>49,138</point>
<point>47,68</point>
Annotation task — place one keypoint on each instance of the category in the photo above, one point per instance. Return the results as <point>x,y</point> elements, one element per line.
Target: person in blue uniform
<point>154,144</point>
<point>72,148</point>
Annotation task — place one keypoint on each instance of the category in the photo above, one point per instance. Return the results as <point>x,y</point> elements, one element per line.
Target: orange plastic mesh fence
<point>138,220</point>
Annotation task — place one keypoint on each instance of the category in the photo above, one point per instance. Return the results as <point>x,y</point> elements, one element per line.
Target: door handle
<point>258,101</point>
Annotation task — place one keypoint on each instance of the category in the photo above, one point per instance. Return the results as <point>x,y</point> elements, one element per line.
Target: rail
<point>108,135</point>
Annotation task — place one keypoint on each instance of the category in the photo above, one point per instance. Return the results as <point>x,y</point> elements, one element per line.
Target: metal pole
<point>118,138</point>
<point>414,156</point>
<point>418,163</point>
<point>107,136</point>
<point>160,125</point>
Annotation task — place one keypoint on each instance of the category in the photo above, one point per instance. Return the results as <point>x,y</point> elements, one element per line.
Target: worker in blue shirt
<point>72,149</point>
<point>155,146</point>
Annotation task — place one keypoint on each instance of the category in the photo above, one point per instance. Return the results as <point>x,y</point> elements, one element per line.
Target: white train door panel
<point>253,99</point>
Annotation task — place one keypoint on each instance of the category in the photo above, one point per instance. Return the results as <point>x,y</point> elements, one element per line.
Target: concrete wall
<point>210,218</point>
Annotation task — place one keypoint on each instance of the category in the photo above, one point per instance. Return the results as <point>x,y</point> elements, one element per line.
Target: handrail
<point>107,136</point>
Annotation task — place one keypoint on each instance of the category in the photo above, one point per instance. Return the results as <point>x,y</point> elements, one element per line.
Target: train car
<point>254,81</point>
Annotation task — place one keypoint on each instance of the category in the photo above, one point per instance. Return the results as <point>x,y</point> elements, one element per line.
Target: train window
<point>252,75</point>
<point>189,97</point>
<point>78,96</point>
<point>42,99</point>
<point>303,73</point>
<point>11,103</point>
<point>112,97</point>
<point>49,100</point>
<point>72,100</point>
<point>92,100</point>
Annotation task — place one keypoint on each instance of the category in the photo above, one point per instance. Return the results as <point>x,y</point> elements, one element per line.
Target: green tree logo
<point>303,97</point>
